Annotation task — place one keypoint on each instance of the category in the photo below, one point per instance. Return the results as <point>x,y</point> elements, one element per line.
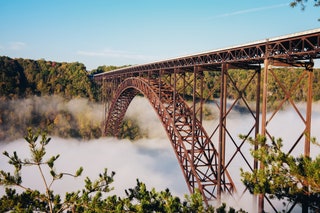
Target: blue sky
<point>119,32</point>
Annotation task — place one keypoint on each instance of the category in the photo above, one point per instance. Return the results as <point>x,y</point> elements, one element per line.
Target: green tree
<point>25,77</point>
<point>303,3</point>
<point>130,130</point>
<point>13,82</point>
<point>140,199</point>
<point>296,179</point>
<point>32,200</point>
<point>104,68</point>
<point>92,198</point>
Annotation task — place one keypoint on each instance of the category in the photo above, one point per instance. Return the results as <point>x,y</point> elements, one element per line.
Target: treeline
<point>239,80</point>
<point>288,77</point>
<point>21,78</point>
<point>24,81</point>
<point>58,97</point>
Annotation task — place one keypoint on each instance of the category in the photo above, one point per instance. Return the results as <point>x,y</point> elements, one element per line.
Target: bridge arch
<point>195,152</point>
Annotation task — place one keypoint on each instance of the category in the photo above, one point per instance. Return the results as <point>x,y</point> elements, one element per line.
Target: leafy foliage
<point>303,3</point>
<point>13,82</point>
<point>68,97</point>
<point>102,69</point>
<point>238,84</point>
<point>62,85</point>
<point>296,179</point>
<point>130,130</point>
<point>23,78</point>
<point>92,198</point>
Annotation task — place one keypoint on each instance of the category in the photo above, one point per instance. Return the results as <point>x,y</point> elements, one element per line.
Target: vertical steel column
<point>160,72</point>
<point>108,89</point>
<point>308,114</point>
<point>307,130</point>
<point>201,95</point>
<point>184,85</point>
<point>149,77</point>
<point>223,95</point>
<point>258,88</point>
<point>257,125</point>
<point>264,121</point>
<point>224,121</point>
<point>308,125</point>
<point>104,91</point>
<point>174,94</point>
<point>194,99</point>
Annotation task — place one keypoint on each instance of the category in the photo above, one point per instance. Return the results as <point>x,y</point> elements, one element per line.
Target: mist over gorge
<point>62,98</point>
<point>47,98</point>
<point>151,159</point>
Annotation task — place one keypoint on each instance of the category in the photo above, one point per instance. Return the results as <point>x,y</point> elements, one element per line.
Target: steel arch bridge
<point>179,90</point>
<point>195,151</point>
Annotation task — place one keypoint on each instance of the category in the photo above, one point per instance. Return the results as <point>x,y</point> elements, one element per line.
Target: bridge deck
<point>297,46</point>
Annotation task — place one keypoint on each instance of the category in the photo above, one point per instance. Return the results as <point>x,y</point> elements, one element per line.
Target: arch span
<point>194,150</point>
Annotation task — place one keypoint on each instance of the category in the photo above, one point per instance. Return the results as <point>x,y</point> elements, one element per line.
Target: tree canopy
<point>283,176</point>
<point>93,197</point>
<point>57,96</point>
<point>22,78</point>
<point>302,3</point>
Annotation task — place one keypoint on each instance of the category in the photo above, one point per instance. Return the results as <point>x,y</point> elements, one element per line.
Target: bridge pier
<point>222,125</point>
<point>307,75</point>
<point>263,122</point>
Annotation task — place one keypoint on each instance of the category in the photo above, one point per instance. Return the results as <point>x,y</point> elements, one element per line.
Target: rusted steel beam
<point>263,121</point>
<point>222,128</point>
<point>257,124</point>
<point>195,151</point>
<point>299,46</point>
<point>308,115</point>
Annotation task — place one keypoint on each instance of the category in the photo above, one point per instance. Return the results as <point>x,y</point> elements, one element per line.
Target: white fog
<point>151,160</point>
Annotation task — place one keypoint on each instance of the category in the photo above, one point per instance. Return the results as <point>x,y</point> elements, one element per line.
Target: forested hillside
<point>62,98</point>
<point>58,97</point>
<point>21,78</point>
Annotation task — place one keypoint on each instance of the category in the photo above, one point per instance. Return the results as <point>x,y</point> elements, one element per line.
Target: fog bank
<point>152,159</point>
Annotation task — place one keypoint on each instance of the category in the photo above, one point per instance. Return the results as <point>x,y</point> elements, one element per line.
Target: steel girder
<point>298,46</point>
<point>196,154</point>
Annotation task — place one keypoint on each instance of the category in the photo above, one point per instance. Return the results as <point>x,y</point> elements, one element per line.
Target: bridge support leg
<point>107,91</point>
<point>222,132</point>
<point>308,114</point>
<point>258,90</point>
<point>194,135</point>
<point>308,124</point>
<point>264,121</point>
<point>257,125</point>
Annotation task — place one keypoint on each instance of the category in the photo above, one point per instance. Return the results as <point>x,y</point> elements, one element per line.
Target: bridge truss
<point>181,90</point>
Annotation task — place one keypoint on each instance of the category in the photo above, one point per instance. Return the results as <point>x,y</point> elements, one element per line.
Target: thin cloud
<point>17,45</point>
<point>107,53</point>
<point>251,10</point>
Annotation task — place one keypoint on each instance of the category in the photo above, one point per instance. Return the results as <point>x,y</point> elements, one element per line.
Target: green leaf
<point>79,171</point>
<point>53,173</point>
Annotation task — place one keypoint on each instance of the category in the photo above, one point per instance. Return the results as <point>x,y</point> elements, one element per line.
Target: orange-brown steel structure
<point>202,153</point>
